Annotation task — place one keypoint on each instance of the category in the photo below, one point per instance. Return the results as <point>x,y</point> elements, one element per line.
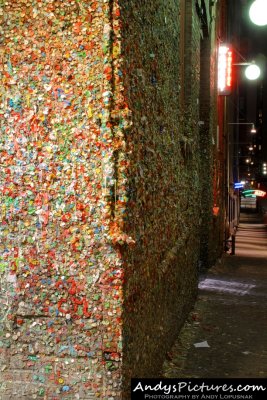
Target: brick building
<point>109,154</point>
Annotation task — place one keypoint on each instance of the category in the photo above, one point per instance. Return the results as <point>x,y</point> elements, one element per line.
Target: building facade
<point>109,179</point>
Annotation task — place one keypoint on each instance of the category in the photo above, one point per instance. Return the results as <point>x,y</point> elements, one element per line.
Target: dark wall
<point>163,143</point>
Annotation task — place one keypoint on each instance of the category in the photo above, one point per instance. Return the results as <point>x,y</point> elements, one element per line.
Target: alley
<point>226,333</point>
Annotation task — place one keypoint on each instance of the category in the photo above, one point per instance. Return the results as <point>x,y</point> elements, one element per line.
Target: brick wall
<point>60,272</point>
<point>217,129</point>
<point>161,269</point>
<point>211,145</point>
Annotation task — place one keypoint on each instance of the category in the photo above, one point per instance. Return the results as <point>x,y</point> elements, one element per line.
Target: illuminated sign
<point>225,59</point>
<point>260,193</point>
<point>238,185</point>
<point>253,193</point>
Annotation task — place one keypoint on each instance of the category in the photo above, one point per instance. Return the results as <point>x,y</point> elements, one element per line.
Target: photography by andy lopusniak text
<point>199,389</point>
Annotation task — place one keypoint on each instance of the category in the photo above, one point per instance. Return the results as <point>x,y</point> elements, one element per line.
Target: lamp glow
<point>258,12</point>
<point>252,72</point>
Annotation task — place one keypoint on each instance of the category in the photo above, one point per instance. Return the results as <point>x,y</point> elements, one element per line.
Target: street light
<point>258,12</point>
<point>252,130</point>
<point>225,64</point>
<point>252,72</point>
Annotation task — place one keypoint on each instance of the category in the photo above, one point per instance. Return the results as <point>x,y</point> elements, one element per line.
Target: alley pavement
<point>226,333</point>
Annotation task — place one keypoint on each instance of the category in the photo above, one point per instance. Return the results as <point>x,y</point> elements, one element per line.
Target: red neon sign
<point>259,193</point>
<point>225,60</point>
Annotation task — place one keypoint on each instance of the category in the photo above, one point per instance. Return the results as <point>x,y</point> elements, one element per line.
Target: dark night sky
<point>256,37</point>
<point>253,39</point>
<point>250,41</point>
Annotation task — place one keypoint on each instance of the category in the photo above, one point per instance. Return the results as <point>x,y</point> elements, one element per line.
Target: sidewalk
<point>230,315</point>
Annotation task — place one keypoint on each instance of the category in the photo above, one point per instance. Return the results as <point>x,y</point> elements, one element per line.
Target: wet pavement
<point>226,333</point>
